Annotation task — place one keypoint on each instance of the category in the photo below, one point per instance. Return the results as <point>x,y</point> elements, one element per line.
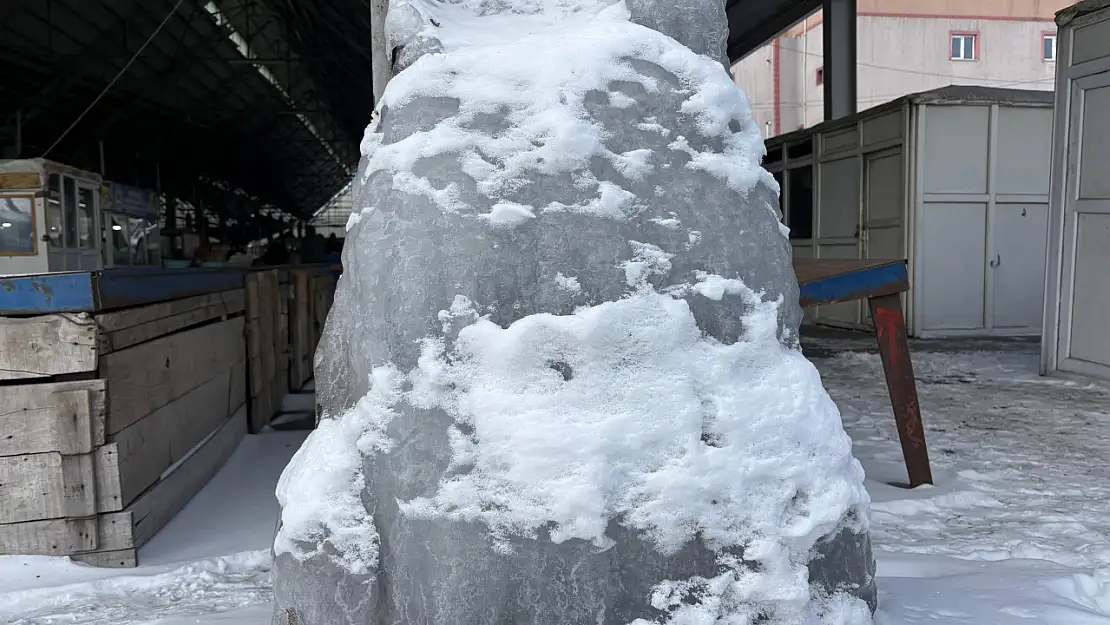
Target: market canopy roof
<point>752,23</point>
<point>266,97</point>
<point>259,99</point>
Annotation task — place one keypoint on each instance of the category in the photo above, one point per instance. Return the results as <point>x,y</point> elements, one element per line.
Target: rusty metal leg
<point>886,311</point>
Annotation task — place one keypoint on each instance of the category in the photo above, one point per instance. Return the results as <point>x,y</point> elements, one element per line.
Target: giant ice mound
<point>560,380</point>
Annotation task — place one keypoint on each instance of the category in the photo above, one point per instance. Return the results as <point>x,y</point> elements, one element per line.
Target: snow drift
<point>560,380</point>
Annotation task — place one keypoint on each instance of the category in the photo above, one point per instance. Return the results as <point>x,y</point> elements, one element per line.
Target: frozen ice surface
<point>560,380</point>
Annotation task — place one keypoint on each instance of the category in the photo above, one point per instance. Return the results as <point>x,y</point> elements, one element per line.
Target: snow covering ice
<point>618,429</point>
<point>1015,532</point>
<point>655,440</point>
<point>506,122</point>
<point>616,398</point>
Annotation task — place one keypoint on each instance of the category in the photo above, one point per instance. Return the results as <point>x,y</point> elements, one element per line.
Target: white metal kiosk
<point>1076,337</point>
<point>49,218</point>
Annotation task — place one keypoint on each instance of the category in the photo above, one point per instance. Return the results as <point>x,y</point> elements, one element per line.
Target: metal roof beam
<point>65,80</point>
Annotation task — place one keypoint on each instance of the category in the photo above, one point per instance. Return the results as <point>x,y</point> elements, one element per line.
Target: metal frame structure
<point>755,22</point>
<point>262,99</point>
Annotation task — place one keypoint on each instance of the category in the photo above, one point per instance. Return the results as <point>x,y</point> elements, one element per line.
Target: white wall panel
<point>956,149</point>
<point>953,273</point>
<point>1091,302</point>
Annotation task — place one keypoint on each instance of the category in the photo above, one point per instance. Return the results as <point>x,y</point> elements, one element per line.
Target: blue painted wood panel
<point>47,293</point>
<point>124,288</point>
<point>98,291</point>
<point>847,281</point>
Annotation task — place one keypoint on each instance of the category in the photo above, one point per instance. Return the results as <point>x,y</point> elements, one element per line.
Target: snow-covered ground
<point>1017,530</point>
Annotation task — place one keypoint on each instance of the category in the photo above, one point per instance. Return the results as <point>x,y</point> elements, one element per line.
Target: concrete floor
<point>820,341</point>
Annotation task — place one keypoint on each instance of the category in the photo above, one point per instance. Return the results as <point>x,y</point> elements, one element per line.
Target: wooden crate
<point>301,342</point>
<point>152,402</point>
<point>125,531</point>
<point>285,335</point>
<point>266,351</point>
<point>312,292</point>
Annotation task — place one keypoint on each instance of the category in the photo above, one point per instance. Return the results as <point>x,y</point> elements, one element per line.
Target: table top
<point>832,280</point>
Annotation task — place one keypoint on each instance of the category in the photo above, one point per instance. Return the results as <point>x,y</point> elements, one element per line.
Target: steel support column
<point>839,30</point>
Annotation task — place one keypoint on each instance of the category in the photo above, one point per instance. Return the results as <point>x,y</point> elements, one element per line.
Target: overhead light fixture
<point>117,227</point>
<point>6,224</point>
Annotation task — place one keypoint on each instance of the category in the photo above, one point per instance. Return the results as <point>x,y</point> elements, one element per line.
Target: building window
<point>799,200</point>
<point>17,226</point>
<point>820,75</point>
<point>965,46</point>
<point>1048,46</point>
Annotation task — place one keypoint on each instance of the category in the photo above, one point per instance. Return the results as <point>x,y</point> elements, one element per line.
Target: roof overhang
<point>752,23</point>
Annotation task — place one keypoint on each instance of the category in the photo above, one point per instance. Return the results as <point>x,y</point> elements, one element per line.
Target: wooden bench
<point>881,283</point>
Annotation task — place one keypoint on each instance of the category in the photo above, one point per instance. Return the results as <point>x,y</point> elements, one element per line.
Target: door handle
<point>996,261</point>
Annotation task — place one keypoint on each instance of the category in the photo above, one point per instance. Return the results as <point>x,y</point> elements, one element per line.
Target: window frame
<point>1055,45</point>
<point>34,224</point>
<point>91,214</point>
<point>782,168</point>
<point>70,231</point>
<point>975,49</point>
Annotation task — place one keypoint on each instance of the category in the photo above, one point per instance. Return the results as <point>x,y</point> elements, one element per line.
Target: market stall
<point>131,218</point>
<point>1075,339</point>
<point>49,217</point>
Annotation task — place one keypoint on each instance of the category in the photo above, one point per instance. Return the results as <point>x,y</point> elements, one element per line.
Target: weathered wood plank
<point>44,294</point>
<point>115,531</point>
<point>38,487</point>
<point>256,379</point>
<point>55,537</point>
<point>64,537</point>
<point>66,417</point>
<point>138,286</point>
<point>146,377</point>
<point>301,319</point>
<point>154,443</point>
<point>827,281</point>
<point>48,345</point>
<point>118,320</point>
<point>251,288</point>
<point>197,310</point>
<point>21,180</point>
<point>238,393</point>
<point>258,295</point>
<point>263,315</point>
<point>162,502</point>
<point>106,464</point>
<point>120,559</point>
<point>262,409</point>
